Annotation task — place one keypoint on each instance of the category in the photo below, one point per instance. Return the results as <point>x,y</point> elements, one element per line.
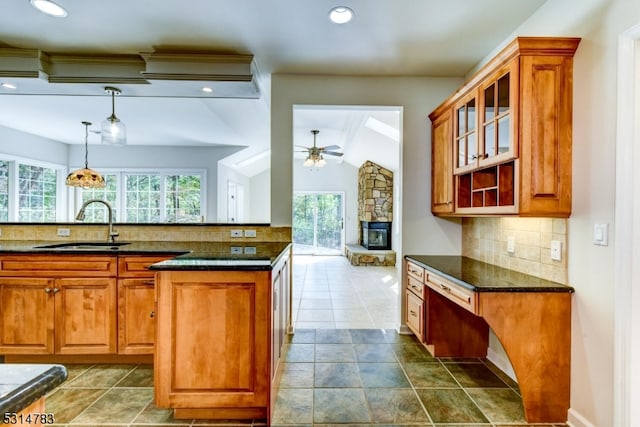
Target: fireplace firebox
<point>376,235</point>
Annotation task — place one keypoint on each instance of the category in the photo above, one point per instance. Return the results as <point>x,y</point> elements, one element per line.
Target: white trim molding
<point>627,243</point>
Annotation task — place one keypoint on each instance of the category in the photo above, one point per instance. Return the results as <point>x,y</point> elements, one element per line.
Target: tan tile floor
<point>345,365</point>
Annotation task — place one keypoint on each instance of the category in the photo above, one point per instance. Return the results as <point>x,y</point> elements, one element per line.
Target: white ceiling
<point>386,38</point>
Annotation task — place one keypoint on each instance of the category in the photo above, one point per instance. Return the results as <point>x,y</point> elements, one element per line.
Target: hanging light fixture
<point>85,178</point>
<point>114,132</point>
<point>315,158</point>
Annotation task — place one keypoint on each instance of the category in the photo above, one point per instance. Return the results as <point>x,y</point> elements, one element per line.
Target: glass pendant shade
<point>85,177</point>
<point>113,131</point>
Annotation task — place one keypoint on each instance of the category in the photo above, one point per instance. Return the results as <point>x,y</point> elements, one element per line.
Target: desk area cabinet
<point>530,316</point>
<point>508,150</point>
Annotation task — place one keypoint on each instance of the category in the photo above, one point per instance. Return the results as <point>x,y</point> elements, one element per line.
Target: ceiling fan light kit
<point>114,132</point>
<point>85,177</point>
<point>315,156</point>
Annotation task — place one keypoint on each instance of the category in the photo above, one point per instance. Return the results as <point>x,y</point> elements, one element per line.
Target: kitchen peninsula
<point>452,301</point>
<point>221,310</point>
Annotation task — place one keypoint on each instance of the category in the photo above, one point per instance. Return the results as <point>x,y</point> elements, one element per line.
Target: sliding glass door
<point>318,223</point>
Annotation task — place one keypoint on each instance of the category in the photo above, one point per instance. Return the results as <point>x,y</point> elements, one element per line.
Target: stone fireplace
<point>375,216</point>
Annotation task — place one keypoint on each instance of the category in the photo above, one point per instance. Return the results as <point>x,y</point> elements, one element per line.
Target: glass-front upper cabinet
<point>497,135</point>
<point>466,135</point>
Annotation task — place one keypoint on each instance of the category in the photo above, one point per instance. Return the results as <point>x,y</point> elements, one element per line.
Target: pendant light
<point>85,178</point>
<point>114,132</point>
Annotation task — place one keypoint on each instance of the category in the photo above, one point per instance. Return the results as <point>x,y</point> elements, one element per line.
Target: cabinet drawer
<point>414,270</point>
<point>58,265</point>
<point>463,297</point>
<point>415,314</point>
<point>416,287</point>
<point>138,265</point>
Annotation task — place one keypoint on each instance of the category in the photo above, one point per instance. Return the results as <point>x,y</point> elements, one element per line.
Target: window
<point>30,191</point>
<point>149,197</point>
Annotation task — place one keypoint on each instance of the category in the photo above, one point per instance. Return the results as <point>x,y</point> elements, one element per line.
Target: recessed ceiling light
<point>340,15</point>
<point>49,8</point>
<point>207,89</point>
<point>8,86</point>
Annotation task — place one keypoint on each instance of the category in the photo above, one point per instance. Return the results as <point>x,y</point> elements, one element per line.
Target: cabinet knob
<point>152,314</point>
<point>47,290</point>
<point>56,290</point>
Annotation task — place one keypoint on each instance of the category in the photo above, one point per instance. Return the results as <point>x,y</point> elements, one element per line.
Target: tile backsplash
<point>132,232</point>
<point>485,239</point>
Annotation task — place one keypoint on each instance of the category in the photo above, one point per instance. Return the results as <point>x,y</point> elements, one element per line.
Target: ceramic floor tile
<point>429,375</point>
<point>382,375</point>
<point>342,405</point>
<point>367,336</point>
<point>316,325</point>
<point>336,375</point>
<point>315,304</point>
<point>151,414</point>
<point>141,376</point>
<point>302,336</point>
<point>409,352</point>
<point>374,353</point>
<point>300,353</point>
<point>294,406</point>
<point>335,336</point>
<point>117,406</point>
<point>68,403</point>
<point>101,376</point>
<point>297,375</point>
<point>351,315</point>
<point>499,405</point>
<point>474,375</point>
<point>450,406</point>
<point>335,353</point>
<point>395,406</point>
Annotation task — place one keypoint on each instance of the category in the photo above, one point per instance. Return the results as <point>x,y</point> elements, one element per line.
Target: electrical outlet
<point>556,250</point>
<point>236,250</point>
<point>511,244</point>
<point>64,232</point>
<point>249,233</point>
<point>236,233</point>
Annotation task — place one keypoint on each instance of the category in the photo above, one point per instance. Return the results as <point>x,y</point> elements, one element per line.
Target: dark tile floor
<point>331,377</point>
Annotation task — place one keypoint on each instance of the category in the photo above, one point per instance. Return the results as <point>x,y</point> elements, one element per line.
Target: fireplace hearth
<point>376,235</point>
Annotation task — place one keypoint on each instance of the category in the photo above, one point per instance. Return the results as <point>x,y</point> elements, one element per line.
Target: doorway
<point>318,223</point>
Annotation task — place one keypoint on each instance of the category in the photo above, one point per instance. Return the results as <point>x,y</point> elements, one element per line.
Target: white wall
<point>591,268</point>
<point>260,203</point>
<point>226,175</point>
<point>333,177</point>
<point>421,231</point>
<point>29,146</point>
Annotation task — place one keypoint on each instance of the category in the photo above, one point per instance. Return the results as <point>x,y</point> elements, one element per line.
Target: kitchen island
<point>22,392</point>
<point>452,301</point>
<point>221,324</point>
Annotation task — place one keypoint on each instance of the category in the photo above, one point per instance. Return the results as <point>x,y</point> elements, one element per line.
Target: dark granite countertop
<point>482,277</point>
<point>188,255</point>
<point>23,384</point>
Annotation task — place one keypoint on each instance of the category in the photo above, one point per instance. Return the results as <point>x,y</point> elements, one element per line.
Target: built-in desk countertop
<point>530,316</point>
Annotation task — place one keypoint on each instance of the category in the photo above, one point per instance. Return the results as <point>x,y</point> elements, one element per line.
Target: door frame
<point>627,243</point>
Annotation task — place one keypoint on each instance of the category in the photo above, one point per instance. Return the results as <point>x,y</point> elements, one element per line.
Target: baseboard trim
<point>501,363</point>
<point>577,420</point>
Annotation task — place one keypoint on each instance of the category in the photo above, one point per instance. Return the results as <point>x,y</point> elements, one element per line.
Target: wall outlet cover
<point>64,232</point>
<point>236,233</point>
<point>556,250</point>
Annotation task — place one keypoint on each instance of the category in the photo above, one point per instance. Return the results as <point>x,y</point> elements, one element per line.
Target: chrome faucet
<point>80,216</point>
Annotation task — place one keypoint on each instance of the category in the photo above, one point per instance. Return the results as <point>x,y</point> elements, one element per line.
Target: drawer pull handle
<point>413,313</point>
<point>445,288</point>
<point>415,287</point>
<point>149,282</point>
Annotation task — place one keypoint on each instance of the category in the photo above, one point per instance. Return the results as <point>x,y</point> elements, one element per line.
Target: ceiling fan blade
<point>302,146</point>
<point>330,147</point>
<point>332,153</point>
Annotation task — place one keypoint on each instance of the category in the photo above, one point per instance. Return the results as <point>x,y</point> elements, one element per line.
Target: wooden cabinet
<point>414,299</point>
<point>57,304</point>
<point>136,303</point>
<point>511,137</point>
<point>219,339</point>
<point>442,161</point>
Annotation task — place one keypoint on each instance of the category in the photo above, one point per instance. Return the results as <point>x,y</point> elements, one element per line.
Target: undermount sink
<point>84,245</point>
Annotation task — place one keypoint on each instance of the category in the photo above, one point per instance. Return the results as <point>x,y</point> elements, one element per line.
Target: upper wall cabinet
<point>502,143</point>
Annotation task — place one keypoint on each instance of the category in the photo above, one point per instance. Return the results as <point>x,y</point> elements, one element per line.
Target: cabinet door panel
<point>136,316</point>
<point>26,316</point>
<point>85,316</point>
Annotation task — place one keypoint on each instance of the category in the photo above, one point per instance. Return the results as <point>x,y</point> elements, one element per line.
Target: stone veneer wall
<point>485,239</point>
<point>375,193</point>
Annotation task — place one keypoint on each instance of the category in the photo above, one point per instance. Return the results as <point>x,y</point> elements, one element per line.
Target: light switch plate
<point>249,233</point>
<point>64,232</point>
<point>601,234</point>
<point>511,244</point>
<point>556,250</point>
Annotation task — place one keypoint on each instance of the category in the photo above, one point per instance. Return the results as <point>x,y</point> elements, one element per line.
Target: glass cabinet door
<point>466,142</point>
<point>497,141</point>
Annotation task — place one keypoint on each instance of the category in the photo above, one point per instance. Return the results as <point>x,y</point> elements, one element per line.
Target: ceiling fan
<point>315,154</point>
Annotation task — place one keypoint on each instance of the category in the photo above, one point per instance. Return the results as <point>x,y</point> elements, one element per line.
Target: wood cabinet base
<point>220,413</point>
